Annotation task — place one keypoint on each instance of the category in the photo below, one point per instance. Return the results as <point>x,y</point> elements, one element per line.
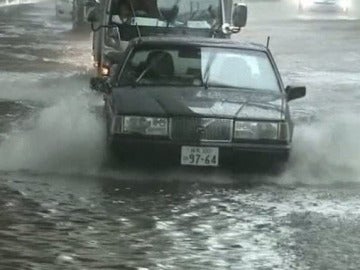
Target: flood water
<point>63,208</point>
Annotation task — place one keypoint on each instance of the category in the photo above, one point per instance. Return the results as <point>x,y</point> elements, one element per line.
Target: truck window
<point>200,14</point>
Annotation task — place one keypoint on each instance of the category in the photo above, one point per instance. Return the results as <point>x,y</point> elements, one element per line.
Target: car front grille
<point>201,129</point>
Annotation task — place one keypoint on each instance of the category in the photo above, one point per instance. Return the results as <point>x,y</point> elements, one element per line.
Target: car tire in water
<point>114,155</point>
<point>279,163</point>
<point>111,157</point>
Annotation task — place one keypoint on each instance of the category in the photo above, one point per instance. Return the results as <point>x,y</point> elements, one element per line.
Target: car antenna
<point>268,42</point>
<point>134,14</point>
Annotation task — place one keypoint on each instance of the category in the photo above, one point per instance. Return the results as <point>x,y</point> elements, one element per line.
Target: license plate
<point>200,156</point>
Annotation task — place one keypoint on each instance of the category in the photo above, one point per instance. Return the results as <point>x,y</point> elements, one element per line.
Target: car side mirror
<point>239,17</point>
<point>100,84</point>
<point>295,92</point>
<point>92,15</point>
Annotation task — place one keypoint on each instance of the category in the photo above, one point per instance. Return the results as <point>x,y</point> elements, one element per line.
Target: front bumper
<point>155,151</point>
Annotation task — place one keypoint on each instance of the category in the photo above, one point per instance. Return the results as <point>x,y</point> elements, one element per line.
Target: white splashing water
<point>67,137</point>
<point>64,137</point>
<point>326,152</point>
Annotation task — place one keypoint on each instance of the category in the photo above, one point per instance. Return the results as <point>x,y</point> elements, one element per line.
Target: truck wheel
<point>97,51</point>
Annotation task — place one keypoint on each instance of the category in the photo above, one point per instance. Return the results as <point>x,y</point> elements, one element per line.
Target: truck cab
<point>116,22</point>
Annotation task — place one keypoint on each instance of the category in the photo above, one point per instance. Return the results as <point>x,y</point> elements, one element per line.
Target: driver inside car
<point>161,65</point>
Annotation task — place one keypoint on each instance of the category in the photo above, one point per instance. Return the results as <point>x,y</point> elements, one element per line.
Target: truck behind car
<point>116,22</point>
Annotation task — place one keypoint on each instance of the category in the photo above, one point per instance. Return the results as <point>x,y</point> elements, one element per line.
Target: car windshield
<point>199,14</point>
<point>199,67</point>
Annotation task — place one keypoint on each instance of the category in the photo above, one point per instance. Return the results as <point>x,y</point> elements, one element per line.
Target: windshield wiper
<point>207,71</point>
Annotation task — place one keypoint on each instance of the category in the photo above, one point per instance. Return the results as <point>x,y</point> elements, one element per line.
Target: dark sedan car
<point>197,102</point>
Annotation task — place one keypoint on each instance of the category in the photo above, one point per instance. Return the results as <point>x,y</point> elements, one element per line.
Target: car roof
<point>194,41</point>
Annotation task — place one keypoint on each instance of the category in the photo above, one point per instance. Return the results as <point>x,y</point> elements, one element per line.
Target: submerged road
<point>61,208</point>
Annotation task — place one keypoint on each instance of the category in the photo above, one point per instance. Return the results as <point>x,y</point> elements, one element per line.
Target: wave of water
<point>69,136</point>
<point>327,151</point>
<point>65,136</point>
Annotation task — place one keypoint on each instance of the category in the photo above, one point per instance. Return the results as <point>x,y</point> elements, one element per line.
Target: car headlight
<point>151,126</point>
<point>261,130</point>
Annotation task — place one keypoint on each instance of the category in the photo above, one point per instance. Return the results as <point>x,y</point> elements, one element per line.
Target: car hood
<point>195,102</point>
